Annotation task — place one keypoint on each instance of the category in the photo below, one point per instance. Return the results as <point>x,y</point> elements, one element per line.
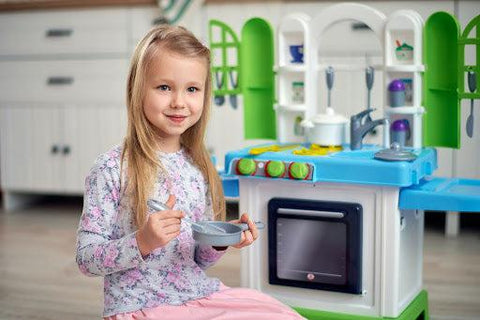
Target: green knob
<point>298,170</point>
<point>246,166</point>
<point>275,168</point>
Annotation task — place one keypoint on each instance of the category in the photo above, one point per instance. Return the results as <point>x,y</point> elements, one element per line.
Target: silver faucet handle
<point>360,115</point>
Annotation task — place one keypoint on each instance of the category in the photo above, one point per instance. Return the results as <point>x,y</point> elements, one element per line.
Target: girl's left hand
<point>248,236</point>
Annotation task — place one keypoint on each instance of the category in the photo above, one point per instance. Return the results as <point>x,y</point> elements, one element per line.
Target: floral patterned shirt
<point>106,243</point>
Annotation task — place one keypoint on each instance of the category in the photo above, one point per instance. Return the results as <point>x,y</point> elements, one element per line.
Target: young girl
<point>152,267</point>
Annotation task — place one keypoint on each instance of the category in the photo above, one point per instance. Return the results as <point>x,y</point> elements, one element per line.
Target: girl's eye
<point>163,87</point>
<point>192,89</point>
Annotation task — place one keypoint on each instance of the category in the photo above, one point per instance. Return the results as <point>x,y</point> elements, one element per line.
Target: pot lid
<point>395,153</point>
<point>329,117</point>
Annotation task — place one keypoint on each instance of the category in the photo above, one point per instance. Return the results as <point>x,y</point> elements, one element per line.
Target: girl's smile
<point>178,119</point>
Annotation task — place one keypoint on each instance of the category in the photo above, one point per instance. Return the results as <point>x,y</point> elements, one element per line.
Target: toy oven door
<point>315,244</point>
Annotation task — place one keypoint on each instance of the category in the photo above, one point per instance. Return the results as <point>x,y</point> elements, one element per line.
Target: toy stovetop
<point>310,163</point>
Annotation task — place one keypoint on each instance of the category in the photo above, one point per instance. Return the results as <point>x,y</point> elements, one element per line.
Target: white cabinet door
<point>51,149</point>
<point>89,130</point>
<point>30,148</point>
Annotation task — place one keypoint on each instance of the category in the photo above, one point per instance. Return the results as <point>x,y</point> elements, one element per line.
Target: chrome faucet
<point>359,130</point>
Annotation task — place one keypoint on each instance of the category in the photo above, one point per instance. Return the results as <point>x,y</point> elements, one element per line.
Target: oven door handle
<point>313,213</point>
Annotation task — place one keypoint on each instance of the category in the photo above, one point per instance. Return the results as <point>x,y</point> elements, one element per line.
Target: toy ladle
<point>329,74</point>
<point>369,80</point>
<point>219,99</point>
<point>472,86</point>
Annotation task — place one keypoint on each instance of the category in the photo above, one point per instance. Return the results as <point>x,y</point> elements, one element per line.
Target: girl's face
<point>174,96</point>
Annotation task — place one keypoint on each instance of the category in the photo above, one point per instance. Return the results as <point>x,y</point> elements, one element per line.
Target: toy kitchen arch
<point>345,230</point>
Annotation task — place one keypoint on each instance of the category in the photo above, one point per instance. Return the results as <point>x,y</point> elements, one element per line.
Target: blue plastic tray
<point>443,194</point>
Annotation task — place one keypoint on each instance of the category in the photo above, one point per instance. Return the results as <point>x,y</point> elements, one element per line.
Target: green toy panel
<point>417,310</point>
<point>442,117</point>
<point>469,38</point>
<point>256,68</point>
<point>223,70</point>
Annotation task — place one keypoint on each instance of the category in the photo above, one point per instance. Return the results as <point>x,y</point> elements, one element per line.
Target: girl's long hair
<point>140,153</point>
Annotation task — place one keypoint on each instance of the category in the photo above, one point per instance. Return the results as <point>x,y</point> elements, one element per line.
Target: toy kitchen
<point>345,219</point>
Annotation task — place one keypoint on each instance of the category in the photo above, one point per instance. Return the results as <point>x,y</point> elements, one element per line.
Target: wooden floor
<point>39,278</point>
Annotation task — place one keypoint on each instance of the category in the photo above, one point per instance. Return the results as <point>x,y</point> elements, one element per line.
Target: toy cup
<point>297,53</point>
<point>396,90</point>
<point>400,132</point>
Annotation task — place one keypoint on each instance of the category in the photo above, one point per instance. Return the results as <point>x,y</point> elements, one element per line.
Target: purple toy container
<point>396,91</point>
<point>400,132</point>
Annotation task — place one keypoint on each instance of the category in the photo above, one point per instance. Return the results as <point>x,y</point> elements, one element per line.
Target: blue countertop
<point>345,166</point>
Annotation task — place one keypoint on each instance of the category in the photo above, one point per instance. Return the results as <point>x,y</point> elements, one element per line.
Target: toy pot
<point>328,129</point>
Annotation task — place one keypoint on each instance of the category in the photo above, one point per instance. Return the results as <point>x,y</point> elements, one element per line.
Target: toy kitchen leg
<point>307,260</point>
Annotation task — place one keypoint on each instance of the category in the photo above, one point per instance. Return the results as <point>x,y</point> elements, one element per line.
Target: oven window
<point>311,249</point>
<point>315,244</point>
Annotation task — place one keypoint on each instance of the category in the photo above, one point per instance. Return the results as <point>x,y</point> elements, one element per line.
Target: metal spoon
<point>204,227</point>
<point>233,97</point>
<point>219,100</point>
<point>472,86</point>
<point>369,79</point>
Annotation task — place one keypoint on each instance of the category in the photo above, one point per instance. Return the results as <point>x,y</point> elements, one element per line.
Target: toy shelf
<point>403,61</point>
<point>291,107</point>
<point>404,110</point>
<point>405,68</point>
<point>290,68</point>
<point>291,71</point>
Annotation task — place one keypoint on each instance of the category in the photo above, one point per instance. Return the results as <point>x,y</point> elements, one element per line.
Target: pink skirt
<point>225,304</point>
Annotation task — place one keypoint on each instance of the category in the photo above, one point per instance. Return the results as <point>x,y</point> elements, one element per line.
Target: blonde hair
<point>139,150</point>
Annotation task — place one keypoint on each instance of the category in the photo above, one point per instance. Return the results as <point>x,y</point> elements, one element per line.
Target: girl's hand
<point>159,229</point>
<point>248,236</point>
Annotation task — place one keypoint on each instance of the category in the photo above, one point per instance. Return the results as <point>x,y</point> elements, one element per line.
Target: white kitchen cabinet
<point>64,32</point>
<point>89,130</point>
<point>49,149</point>
<point>62,94</point>
<point>63,81</point>
<point>30,148</point>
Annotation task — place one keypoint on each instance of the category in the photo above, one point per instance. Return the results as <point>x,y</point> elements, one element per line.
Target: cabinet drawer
<point>64,32</point>
<point>64,81</point>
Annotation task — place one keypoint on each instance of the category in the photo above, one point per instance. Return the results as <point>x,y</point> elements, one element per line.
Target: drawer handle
<point>57,33</point>
<point>66,150</point>
<point>55,149</point>
<point>59,81</point>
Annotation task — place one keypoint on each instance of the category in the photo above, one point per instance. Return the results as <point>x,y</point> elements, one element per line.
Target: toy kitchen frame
<point>367,214</point>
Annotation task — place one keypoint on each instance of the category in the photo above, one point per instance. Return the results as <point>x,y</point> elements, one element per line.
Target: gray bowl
<point>232,235</point>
